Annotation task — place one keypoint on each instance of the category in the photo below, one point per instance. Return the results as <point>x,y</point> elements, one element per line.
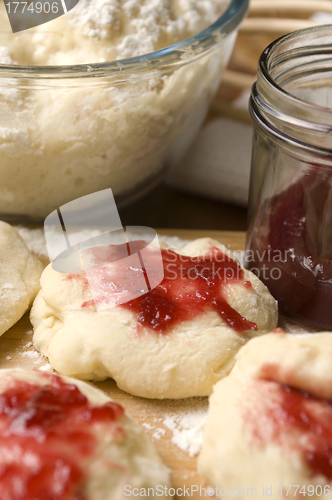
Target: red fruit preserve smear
<point>295,419</point>
<point>46,435</point>
<point>291,247</point>
<point>190,286</point>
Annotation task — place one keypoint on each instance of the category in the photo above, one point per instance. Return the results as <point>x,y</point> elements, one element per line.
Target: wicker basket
<point>266,21</point>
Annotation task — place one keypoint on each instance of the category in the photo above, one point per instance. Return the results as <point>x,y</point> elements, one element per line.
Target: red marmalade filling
<point>292,236</point>
<point>46,435</point>
<point>297,420</point>
<point>190,286</point>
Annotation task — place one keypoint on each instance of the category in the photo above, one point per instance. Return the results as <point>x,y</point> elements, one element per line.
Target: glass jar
<point>289,241</point>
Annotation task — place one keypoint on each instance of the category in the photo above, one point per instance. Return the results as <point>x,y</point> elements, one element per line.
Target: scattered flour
<point>8,286</point>
<point>187,429</point>
<point>148,427</point>
<point>8,357</point>
<point>46,368</point>
<point>179,421</point>
<point>30,354</point>
<point>158,433</point>
<point>35,239</point>
<point>292,327</point>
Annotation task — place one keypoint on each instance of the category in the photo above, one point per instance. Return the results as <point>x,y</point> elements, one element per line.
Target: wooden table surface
<point>17,351</point>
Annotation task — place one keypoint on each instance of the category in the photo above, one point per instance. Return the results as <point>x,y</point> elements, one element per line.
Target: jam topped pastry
<point>62,439</point>
<point>174,341</point>
<point>277,409</point>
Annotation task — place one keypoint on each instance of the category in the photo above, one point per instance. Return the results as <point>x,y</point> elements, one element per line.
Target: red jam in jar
<point>289,244</point>
<point>291,248</point>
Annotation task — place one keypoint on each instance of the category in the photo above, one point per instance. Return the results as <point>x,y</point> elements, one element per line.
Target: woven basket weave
<point>266,21</point>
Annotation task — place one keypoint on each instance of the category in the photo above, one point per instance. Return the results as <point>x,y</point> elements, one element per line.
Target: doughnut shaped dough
<point>20,272</point>
<point>130,461</point>
<point>250,440</point>
<point>185,362</point>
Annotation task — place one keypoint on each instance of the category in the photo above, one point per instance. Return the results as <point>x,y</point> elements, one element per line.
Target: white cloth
<point>218,165</point>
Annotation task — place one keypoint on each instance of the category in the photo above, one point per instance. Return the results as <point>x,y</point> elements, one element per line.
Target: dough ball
<point>270,420</point>
<point>177,341</point>
<point>61,438</point>
<point>20,271</point>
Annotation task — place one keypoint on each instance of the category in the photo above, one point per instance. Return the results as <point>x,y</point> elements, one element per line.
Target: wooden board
<point>17,351</point>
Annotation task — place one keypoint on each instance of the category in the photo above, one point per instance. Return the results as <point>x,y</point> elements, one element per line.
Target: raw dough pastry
<point>182,359</point>
<point>270,420</point>
<point>64,439</point>
<point>20,271</point>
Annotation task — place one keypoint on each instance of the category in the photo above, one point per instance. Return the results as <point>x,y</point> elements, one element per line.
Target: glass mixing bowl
<point>67,131</point>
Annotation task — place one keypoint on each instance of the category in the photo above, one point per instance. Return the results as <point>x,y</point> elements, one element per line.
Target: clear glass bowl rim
<point>178,53</point>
